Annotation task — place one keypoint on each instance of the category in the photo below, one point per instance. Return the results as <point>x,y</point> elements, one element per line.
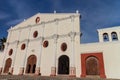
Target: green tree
<point>2,41</point>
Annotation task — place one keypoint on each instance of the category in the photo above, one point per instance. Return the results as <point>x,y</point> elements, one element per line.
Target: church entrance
<point>7,65</point>
<point>31,64</point>
<point>92,66</point>
<point>63,65</point>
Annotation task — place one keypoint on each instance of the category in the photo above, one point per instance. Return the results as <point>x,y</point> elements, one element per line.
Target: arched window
<point>114,36</point>
<point>105,37</point>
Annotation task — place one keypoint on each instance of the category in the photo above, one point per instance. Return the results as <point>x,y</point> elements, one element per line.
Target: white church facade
<point>49,45</point>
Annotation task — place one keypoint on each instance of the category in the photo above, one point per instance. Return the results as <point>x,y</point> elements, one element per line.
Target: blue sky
<point>95,14</point>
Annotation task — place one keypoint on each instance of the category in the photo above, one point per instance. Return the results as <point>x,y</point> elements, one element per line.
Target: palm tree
<point>2,41</point>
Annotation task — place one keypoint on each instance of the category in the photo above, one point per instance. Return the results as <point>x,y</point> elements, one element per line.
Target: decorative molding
<point>72,35</point>
<point>37,39</point>
<point>51,21</point>
<point>54,36</point>
<point>56,21</point>
<point>6,44</point>
<point>72,18</point>
<point>25,40</point>
<point>33,50</point>
<point>43,23</point>
<point>14,42</point>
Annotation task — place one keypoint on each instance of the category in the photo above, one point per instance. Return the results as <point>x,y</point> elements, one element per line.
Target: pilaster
<point>37,71</point>
<point>10,70</point>
<point>118,35</point>
<point>14,56</point>
<point>72,72</point>
<point>110,37</point>
<point>53,71</point>
<point>24,59</point>
<point>72,63</point>
<point>21,71</point>
<point>55,38</point>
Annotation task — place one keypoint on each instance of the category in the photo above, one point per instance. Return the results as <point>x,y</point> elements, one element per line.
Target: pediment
<point>42,17</point>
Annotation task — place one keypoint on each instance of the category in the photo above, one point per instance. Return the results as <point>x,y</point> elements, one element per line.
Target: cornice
<point>54,36</point>
<point>46,22</point>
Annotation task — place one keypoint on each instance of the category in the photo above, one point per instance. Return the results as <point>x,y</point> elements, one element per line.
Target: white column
<point>37,71</point>
<point>118,35</point>
<point>53,68</point>
<point>9,35</point>
<point>110,37</point>
<point>100,37</point>
<point>55,37</point>
<point>72,63</point>
<point>6,48</point>
<point>13,59</point>
<point>15,52</point>
<point>4,60</point>
<point>22,68</point>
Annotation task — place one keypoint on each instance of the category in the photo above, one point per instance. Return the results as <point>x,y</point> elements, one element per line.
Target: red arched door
<point>31,64</point>
<point>7,65</point>
<point>92,66</point>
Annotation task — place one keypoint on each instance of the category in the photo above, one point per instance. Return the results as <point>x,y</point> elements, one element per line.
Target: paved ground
<point>17,77</point>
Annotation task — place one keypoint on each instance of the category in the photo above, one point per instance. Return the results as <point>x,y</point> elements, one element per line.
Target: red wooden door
<point>7,65</point>
<point>92,66</point>
<point>31,64</point>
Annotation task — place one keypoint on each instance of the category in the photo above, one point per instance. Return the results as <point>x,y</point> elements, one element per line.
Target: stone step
<point>26,77</point>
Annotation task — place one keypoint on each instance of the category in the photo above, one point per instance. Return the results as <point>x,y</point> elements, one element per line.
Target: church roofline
<point>110,28</point>
<point>71,15</point>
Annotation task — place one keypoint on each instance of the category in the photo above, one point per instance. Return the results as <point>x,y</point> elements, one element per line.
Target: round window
<point>23,46</point>
<point>37,20</point>
<point>63,46</point>
<point>35,34</point>
<point>45,44</point>
<point>10,52</point>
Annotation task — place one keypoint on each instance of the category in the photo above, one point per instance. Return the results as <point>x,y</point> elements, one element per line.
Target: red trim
<point>101,63</point>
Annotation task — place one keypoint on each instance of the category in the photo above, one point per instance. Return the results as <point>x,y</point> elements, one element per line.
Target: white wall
<point>111,57</point>
<point>23,32</point>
